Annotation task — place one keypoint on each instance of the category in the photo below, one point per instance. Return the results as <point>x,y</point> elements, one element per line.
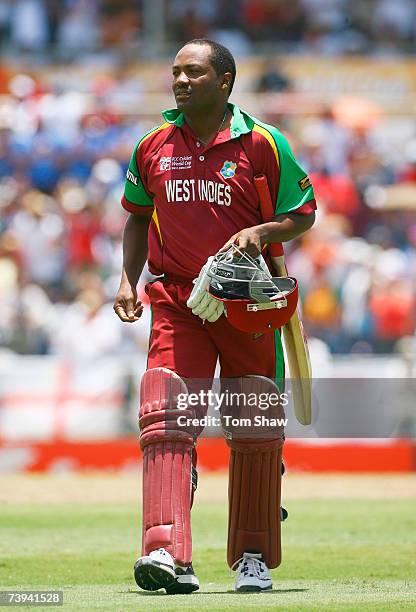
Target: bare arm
<point>283,228</point>
<point>126,305</point>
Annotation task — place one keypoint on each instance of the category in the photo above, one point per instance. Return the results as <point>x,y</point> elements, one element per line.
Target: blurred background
<point>81,81</point>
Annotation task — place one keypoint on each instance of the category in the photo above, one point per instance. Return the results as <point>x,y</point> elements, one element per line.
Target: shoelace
<point>252,564</point>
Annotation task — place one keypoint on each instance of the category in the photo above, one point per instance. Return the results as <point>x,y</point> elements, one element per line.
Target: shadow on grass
<point>162,594</point>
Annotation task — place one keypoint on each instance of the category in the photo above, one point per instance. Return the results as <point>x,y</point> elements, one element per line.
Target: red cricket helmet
<point>255,302</point>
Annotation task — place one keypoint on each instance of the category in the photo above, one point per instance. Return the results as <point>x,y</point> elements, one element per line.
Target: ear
<point>226,81</point>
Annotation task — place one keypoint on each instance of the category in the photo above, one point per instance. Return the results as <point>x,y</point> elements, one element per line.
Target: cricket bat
<point>293,334</point>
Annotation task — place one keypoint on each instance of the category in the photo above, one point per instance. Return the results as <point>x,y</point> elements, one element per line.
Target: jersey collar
<point>241,122</point>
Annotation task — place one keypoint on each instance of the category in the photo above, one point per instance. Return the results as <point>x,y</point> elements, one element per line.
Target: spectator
<point>29,25</point>
<point>63,154</point>
<point>271,79</point>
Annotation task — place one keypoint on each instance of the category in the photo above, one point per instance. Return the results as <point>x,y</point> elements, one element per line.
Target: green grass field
<point>80,534</point>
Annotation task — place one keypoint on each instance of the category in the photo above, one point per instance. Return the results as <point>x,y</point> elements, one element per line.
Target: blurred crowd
<point>357,266</point>
<point>71,28</point>
<point>63,157</point>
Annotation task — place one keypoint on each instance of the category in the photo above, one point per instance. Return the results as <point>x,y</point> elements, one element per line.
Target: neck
<point>205,127</point>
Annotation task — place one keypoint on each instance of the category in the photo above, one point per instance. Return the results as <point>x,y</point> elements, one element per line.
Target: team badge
<point>228,169</point>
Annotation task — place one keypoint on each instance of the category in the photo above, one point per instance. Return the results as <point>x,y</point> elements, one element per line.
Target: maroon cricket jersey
<point>199,196</point>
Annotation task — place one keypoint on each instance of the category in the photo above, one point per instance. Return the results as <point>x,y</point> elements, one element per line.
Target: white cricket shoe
<point>155,570</point>
<point>185,582</point>
<point>252,574</point>
<point>158,570</point>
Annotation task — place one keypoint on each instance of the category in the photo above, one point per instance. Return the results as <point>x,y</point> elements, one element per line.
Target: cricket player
<point>189,191</point>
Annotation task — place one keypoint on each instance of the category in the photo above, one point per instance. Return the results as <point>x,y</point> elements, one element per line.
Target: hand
<point>126,305</point>
<point>200,301</point>
<point>247,240</point>
<point>208,308</point>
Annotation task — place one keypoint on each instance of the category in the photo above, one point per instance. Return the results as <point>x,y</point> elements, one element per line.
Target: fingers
<point>121,313</point>
<point>201,303</point>
<point>227,245</point>
<point>216,315</point>
<point>195,297</point>
<point>247,246</point>
<point>209,309</point>
<point>242,242</point>
<point>252,250</point>
<point>128,311</point>
<point>214,311</point>
<point>201,306</point>
<point>246,241</point>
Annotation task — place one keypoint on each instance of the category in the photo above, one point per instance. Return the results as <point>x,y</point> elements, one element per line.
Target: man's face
<point>196,85</point>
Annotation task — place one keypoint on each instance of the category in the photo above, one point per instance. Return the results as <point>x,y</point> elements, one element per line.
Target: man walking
<point>190,191</point>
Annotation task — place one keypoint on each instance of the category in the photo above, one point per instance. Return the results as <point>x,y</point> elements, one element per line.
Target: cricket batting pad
<point>167,466</point>
<point>254,488</point>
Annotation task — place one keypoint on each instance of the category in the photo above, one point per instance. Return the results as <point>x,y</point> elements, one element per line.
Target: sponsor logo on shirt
<point>177,162</point>
<point>304,183</point>
<point>228,169</point>
<point>191,190</point>
<point>132,178</point>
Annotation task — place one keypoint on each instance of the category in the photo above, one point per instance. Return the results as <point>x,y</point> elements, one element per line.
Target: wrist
<point>267,232</point>
<point>126,283</point>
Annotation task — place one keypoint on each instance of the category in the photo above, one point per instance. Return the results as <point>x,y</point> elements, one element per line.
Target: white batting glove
<point>200,301</point>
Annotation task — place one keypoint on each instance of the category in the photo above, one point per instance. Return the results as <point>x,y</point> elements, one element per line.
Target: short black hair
<point>222,59</point>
